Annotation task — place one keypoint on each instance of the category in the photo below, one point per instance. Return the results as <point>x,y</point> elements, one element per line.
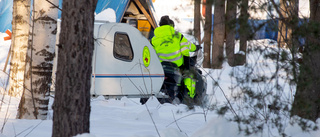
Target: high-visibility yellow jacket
<point>170,45</point>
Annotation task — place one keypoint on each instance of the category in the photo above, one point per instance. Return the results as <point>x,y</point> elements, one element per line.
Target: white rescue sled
<point>124,63</point>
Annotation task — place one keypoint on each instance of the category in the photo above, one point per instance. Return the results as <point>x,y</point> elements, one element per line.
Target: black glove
<point>198,47</point>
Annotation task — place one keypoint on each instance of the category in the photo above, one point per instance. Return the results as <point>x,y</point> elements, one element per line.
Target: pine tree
<point>306,102</point>
<point>71,106</point>
<point>243,31</point>
<point>231,30</point>
<point>207,34</point>
<point>197,18</point>
<point>218,34</point>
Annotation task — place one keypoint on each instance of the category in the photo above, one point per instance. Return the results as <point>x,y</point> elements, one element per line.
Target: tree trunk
<point>207,34</point>
<point>282,33</point>
<point>76,44</point>
<point>20,33</point>
<point>307,98</point>
<point>243,32</point>
<point>197,18</point>
<point>218,34</point>
<point>293,20</point>
<point>35,98</point>
<point>288,21</point>
<point>230,30</point>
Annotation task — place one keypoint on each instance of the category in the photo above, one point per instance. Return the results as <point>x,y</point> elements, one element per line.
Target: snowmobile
<point>174,87</point>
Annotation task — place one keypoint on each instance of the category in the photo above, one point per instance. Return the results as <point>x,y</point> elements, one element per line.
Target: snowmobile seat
<point>172,80</point>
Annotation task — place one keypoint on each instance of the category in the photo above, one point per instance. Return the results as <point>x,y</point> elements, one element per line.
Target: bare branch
<point>54,5</point>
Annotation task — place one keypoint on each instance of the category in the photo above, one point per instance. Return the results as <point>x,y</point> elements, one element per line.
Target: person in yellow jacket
<point>171,46</point>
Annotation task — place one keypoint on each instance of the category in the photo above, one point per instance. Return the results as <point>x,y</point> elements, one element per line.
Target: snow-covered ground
<point>128,118</point>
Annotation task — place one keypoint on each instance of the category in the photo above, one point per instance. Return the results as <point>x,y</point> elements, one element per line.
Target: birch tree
<point>20,33</point>
<point>35,97</point>
<point>71,106</point>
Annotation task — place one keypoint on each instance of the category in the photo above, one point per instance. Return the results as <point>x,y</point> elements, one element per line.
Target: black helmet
<point>165,20</point>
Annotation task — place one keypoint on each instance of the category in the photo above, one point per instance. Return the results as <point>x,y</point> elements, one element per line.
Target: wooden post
<point>7,60</point>
<point>145,13</point>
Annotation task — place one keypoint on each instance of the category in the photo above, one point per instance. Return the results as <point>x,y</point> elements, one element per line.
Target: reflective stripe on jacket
<point>170,45</point>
